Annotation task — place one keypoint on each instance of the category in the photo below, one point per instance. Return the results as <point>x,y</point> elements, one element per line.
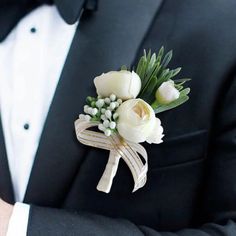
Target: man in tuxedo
<point>50,51</point>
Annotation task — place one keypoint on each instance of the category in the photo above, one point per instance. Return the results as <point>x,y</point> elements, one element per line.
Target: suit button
<point>33,30</point>
<point>26,126</point>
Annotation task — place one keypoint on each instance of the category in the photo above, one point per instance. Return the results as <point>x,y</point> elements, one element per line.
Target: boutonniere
<point>124,114</point>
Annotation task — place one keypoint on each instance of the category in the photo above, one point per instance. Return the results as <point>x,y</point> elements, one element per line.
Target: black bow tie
<point>11,11</point>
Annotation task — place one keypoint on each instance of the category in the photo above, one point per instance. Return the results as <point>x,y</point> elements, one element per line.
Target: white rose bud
<point>124,84</point>
<point>137,122</point>
<point>167,92</point>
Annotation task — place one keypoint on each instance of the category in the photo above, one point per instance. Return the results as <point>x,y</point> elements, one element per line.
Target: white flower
<point>101,127</point>
<point>124,84</point>
<point>82,116</point>
<point>106,123</point>
<point>107,101</point>
<point>87,117</point>
<point>103,117</point>
<point>90,110</point>
<point>112,125</point>
<point>137,122</point>
<point>157,133</point>
<point>112,105</point>
<point>113,97</point>
<point>167,93</point>
<point>94,111</point>
<point>86,108</point>
<point>108,114</point>
<point>119,101</point>
<point>107,132</point>
<point>100,103</point>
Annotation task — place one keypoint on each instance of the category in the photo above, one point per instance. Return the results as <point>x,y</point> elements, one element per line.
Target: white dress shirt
<point>31,61</point>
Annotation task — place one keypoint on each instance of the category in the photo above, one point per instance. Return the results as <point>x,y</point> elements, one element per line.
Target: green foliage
<point>124,67</point>
<point>153,71</point>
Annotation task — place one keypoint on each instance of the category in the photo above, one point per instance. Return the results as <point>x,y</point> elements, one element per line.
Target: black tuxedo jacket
<point>191,187</point>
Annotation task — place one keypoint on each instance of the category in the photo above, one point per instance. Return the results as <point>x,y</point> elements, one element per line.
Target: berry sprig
<point>102,110</point>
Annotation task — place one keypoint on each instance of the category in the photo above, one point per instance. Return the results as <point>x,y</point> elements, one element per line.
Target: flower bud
<point>167,93</point>
<point>107,132</point>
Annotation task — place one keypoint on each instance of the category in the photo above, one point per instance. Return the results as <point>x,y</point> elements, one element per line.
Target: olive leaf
<point>153,71</point>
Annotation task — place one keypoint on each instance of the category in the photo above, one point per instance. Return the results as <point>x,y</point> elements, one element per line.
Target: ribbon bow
<point>119,148</point>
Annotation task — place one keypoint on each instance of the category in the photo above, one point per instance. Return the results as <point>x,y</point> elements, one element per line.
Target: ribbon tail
<point>109,173</point>
<point>130,153</point>
<point>139,183</point>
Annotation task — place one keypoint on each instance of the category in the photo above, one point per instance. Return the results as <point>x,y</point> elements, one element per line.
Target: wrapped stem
<point>109,173</point>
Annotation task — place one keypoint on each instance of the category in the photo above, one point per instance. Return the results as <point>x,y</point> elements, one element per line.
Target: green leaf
<point>148,93</point>
<point>140,68</point>
<point>160,55</point>
<point>149,55</point>
<point>167,59</point>
<point>162,78</point>
<point>182,80</point>
<point>172,105</point>
<point>185,91</point>
<point>179,87</point>
<point>176,71</point>
<point>149,74</point>
<point>152,61</point>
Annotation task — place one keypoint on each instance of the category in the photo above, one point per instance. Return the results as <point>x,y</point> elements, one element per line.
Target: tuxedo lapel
<point>6,189</point>
<point>104,41</point>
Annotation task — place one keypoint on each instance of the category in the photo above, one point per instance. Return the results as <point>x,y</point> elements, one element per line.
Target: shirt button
<point>26,126</point>
<point>33,30</point>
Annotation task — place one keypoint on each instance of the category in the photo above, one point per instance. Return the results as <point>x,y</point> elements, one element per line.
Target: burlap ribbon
<point>119,148</point>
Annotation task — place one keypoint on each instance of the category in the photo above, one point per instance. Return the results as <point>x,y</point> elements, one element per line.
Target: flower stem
<point>109,173</point>
<point>155,105</point>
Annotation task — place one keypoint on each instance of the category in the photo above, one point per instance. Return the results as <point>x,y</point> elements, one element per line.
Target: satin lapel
<point>6,189</point>
<point>104,41</point>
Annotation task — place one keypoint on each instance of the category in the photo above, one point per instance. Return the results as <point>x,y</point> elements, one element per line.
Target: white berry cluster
<point>102,110</point>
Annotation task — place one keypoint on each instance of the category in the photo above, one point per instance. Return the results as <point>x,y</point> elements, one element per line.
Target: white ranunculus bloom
<point>137,122</point>
<point>167,92</point>
<point>124,84</point>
